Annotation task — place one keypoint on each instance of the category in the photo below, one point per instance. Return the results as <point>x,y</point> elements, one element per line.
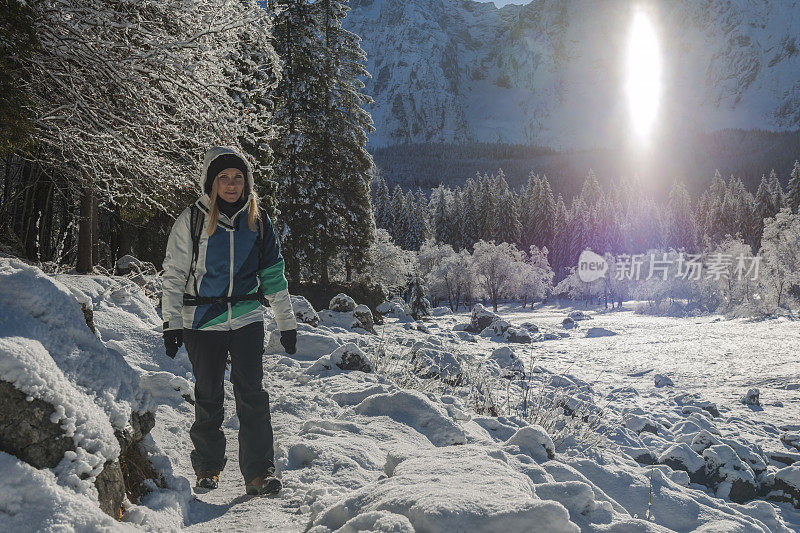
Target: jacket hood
<point>217,151</point>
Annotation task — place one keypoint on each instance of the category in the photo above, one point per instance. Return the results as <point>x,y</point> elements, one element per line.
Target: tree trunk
<point>95,232</point>
<point>84,262</point>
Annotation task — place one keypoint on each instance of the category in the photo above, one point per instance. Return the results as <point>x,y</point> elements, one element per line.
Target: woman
<point>222,255</point>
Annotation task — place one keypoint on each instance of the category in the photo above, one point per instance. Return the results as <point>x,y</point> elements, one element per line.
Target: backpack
<point>196,220</point>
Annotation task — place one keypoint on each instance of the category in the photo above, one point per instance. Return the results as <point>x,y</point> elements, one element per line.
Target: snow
<point>27,365</point>
<point>32,500</point>
<point>389,450</point>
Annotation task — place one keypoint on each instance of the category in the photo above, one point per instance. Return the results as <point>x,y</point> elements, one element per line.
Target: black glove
<point>173,339</point>
<point>289,340</point>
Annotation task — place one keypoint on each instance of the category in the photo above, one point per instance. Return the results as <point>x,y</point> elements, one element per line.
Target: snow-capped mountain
<point>552,72</point>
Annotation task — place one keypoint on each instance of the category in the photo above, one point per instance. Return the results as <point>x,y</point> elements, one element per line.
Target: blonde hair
<point>252,207</point>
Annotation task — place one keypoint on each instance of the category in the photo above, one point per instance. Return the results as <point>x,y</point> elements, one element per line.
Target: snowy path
<point>356,451</point>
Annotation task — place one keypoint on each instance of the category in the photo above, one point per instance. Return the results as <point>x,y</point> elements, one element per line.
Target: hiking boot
<point>266,484</point>
<point>207,480</point>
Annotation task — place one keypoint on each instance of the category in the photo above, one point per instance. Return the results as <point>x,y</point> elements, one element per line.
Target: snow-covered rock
<point>310,343</point>
<point>751,398</point>
<point>441,311</point>
<point>304,311</point>
<point>365,318</point>
<point>347,357</point>
<point>497,328</point>
<point>434,363</point>
<point>599,332</point>
<point>787,485</point>
<point>342,303</point>
<point>682,457</point>
<point>639,424</point>
<point>569,323</point>
<point>731,477</point>
<point>661,380</point>
<point>792,439</point>
<point>579,315</point>
<point>481,318</point>
<point>507,361</point>
<point>395,308</point>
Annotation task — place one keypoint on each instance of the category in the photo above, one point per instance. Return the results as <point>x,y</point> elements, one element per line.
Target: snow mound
<point>310,344</point>
<point>36,307</point>
<point>454,489</point>
<point>508,361</point>
<point>31,500</point>
<point>417,411</point>
<point>599,332</point>
<point>579,315</point>
<point>535,441</point>
<point>441,311</point>
<point>395,308</point>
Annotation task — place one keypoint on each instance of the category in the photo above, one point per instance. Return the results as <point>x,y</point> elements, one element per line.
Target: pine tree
<point>420,306</point>
<point>545,215</point>
<point>381,199</point>
<point>591,191</point>
<point>299,120</point>
<point>440,215</point>
<point>470,215</point>
<point>527,213</point>
<point>764,208</point>
<point>778,196</point>
<point>560,244</point>
<point>680,217</point>
<point>398,218</point>
<point>793,192</point>
<point>508,227</point>
<point>346,227</point>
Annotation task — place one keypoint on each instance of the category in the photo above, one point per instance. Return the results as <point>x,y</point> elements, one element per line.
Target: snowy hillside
<point>634,417</point>
<point>551,72</point>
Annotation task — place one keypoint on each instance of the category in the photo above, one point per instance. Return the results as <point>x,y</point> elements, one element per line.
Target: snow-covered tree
<point>348,228</point>
<point>454,276</point>
<point>300,122</point>
<point>534,276</point>
<point>389,265</point>
<point>494,267</point>
<point>420,306</point>
<point>780,257</point>
<point>793,192</point>
<point>122,92</point>
<point>681,228</point>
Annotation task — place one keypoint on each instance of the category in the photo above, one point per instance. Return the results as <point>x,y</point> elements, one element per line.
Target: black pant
<point>208,352</point>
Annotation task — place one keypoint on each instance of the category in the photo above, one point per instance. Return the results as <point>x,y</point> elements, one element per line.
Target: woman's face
<point>230,184</point>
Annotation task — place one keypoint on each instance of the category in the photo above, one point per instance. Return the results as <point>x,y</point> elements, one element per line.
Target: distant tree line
<point>622,218</point>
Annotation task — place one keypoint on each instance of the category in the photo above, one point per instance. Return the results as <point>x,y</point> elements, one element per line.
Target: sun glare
<point>643,85</point>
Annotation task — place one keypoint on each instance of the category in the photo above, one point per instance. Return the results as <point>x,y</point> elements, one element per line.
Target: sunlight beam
<point>643,86</point>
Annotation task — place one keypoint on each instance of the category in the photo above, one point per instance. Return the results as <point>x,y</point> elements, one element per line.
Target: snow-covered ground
<point>358,453</point>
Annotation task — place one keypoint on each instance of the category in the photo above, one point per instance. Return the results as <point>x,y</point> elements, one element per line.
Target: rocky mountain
<point>552,72</point>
